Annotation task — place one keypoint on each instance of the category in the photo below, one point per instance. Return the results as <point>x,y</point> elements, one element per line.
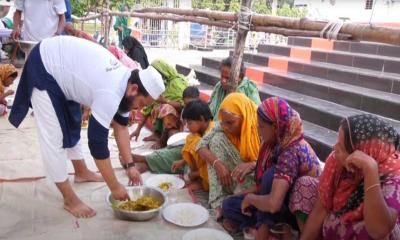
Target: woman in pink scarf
<point>121,56</point>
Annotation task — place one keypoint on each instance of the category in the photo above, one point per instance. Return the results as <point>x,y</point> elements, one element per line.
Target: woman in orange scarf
<point>231,149</point>
<point>8,73</point>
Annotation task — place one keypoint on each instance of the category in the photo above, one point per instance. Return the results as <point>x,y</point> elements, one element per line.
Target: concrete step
<point>320,138</point>
<point>347,46</point>
<point>354,76</point>
<point>341,93</point>
<point>383,64</point>
<point>320,112</point>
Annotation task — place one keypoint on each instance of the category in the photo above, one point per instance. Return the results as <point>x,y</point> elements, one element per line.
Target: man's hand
<point>86,115</point>
<point>136,133</point>
<point>134,176</point>
<point>120,193</point>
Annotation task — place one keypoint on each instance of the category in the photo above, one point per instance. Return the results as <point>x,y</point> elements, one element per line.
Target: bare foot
<point>88,176</point>
<point>79,209</point>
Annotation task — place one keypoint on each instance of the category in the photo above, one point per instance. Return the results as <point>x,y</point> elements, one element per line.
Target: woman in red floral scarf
<point>359,189</point>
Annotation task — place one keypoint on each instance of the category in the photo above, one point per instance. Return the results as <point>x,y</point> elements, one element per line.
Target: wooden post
<point>239,46</point>
<point>106,24</point>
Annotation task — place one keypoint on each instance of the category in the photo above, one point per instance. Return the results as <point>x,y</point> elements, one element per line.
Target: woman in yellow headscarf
<point>8,73</point>
<point>231,149</point>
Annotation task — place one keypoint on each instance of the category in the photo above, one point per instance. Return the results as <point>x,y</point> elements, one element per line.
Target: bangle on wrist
<point>128,165</point>
<point>371,187</point>
<point>214,162</point>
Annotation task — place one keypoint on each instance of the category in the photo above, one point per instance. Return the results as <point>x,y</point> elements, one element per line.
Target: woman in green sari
<point>245,86</point>
<point>231,149</point>
<point>175,84</point>
<point>121,25</point>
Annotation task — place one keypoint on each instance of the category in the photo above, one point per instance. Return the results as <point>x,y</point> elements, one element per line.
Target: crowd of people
<point>250,156</point>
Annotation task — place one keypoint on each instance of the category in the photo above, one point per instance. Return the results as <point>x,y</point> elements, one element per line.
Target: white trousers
<point>50,135</point>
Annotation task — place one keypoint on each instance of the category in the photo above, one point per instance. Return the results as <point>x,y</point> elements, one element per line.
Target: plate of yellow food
<point>165,182</point>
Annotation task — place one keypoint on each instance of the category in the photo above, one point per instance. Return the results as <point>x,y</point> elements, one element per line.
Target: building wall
<point>386,11</point>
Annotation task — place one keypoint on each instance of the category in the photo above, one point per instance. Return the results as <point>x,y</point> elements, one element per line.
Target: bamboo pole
<point>362,32</point>
<point>226,24</point>
<point>213,15</point>
<point>295,33</point>
<point>107,24</point>
<point>239,47</point>
<point>174,18</point>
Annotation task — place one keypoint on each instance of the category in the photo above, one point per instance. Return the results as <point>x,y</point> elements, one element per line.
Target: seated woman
<point>175,84</point>
<point>359,189</point>
<point>198,118</point>
<point>135,50</point>
<point>161,161</point>
<point>245,86</point>
<point>231,148</point>
<point>8,73</point>
<point>284,156</point>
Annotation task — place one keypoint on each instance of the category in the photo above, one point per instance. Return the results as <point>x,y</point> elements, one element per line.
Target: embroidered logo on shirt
<point>114,65</point>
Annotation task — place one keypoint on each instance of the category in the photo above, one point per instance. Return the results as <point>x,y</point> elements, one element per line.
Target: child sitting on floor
<point>198,116</point>
<point>190,94</point>
<point>8,73</point>
<point>171,123</point>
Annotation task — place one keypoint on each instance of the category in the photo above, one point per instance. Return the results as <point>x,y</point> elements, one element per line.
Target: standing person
<point>68,12</point>
<point>42,19</point>
<point>90,75</point>
<point>121,25</point>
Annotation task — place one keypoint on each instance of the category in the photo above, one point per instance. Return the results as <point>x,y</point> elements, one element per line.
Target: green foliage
<point>81,7</point>
<point>259,6</point>
<point>287,11</point>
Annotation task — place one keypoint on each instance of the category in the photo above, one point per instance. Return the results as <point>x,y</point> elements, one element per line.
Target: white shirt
<point>87,74</point>
<point>41,17</point>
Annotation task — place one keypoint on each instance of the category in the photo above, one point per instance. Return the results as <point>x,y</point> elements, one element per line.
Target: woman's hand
<point>134,176</point>
<point>223,173</point>
<point>156,146</point>
<point>246,204</point>
<point>359,160</point>
<point>177,165</point>
<point>9,92</point>
<point>240,172</point>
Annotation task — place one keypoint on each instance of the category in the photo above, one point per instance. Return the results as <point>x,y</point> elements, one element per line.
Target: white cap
<point>152,82</point>
<point>6,3</point>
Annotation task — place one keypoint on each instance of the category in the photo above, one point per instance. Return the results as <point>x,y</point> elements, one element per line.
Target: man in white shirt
<point>60,74</point>
<point>42,19</point>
